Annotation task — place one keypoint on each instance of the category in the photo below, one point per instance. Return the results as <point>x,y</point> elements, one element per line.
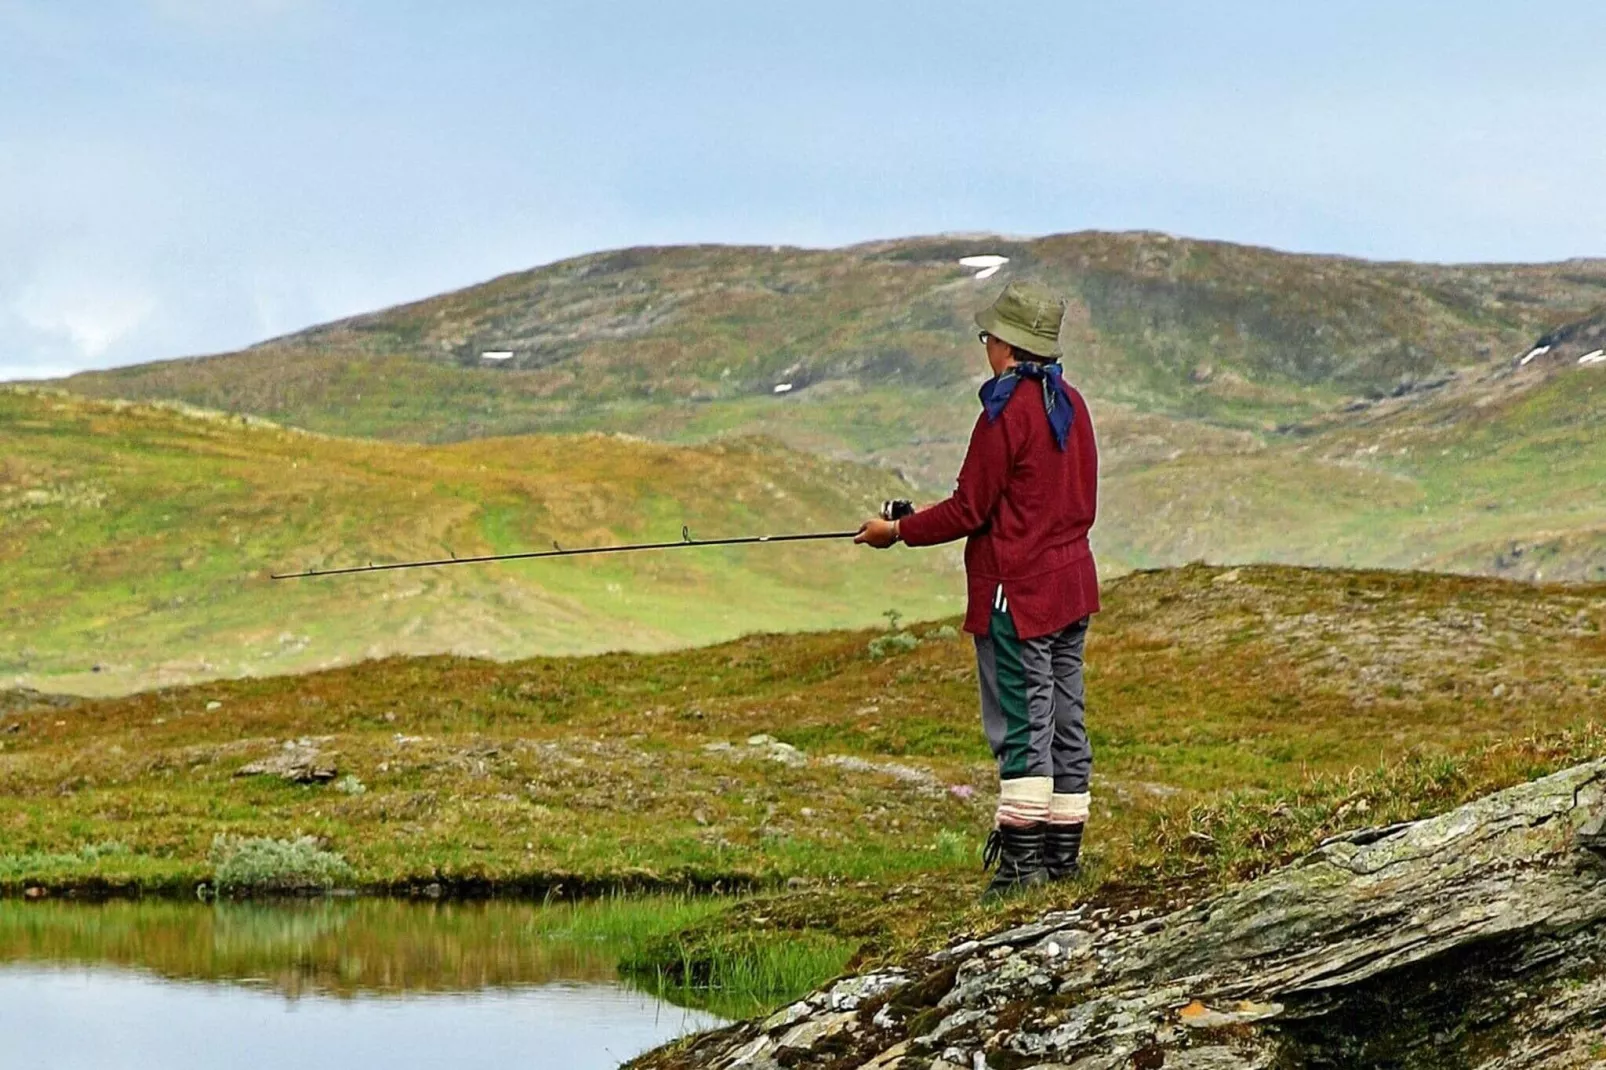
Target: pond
<point>326,983</point>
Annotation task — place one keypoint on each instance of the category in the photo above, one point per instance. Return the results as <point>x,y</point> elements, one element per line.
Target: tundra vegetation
<point>1239,716</point>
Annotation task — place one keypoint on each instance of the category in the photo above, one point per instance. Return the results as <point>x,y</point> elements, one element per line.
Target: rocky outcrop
<point>299,761</point>
<point>1582,342</point>
<point>1471,940</point>
<point>26,699</point>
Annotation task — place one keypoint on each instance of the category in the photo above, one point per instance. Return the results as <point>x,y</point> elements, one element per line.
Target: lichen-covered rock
<point>299,761</point>
<point>1476,939</point>
<point>850,993</point>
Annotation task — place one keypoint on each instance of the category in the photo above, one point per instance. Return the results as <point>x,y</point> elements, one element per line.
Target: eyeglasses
<point>983,337</point>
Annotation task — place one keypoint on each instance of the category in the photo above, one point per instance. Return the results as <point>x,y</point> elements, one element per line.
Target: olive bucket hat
<point>1026,315</point>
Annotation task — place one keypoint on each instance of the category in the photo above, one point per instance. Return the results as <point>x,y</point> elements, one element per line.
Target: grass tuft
<point>24,864</point>
<point>738,974</point>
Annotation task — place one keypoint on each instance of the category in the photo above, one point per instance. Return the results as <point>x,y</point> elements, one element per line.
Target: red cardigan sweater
<point>1024,507</point>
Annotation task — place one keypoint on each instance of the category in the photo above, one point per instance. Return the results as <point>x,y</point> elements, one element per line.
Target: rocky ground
<point>1473,939</point>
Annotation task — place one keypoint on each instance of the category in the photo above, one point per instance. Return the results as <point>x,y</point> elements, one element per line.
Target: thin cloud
<point>91,322</point>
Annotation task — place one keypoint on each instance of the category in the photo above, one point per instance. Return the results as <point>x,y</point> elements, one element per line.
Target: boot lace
<point>993,850</point>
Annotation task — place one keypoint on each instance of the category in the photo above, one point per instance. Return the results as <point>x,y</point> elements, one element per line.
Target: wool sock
<point>1065,808</point>
<point>1024,800</point>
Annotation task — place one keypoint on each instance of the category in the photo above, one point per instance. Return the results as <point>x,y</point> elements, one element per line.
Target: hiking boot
<point>1062,847</point>
<point>1018,852</point>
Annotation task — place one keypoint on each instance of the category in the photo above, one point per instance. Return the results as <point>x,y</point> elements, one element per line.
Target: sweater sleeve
<point>981,483</point>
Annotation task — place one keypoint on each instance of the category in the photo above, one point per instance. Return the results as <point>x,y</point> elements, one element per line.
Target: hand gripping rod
<point>558,551</point>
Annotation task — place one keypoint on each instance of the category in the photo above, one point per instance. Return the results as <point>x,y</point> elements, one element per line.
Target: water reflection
<point>322,983</point>
<point>332,947</point>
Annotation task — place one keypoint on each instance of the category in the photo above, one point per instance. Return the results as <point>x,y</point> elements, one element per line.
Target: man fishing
<point>1024,502</point>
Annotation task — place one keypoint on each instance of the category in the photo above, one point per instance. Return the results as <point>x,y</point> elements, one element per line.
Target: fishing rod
<point>558,551</point>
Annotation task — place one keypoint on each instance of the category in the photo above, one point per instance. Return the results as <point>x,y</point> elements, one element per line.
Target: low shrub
<point>893,643</point>
<point>265,866</point>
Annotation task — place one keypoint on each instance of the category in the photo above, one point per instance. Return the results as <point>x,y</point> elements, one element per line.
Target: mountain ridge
<point>1154,319</point>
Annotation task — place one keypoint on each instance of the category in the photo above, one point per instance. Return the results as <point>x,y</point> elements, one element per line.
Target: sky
<point>190,176</point>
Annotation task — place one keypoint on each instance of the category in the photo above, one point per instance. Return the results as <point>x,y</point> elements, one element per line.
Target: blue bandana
<point>996,392</point>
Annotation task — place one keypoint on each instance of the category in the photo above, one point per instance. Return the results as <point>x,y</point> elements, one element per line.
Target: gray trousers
<point>1033,705</point>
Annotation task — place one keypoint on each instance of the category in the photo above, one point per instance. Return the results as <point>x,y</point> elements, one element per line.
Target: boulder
<point>298,761</point>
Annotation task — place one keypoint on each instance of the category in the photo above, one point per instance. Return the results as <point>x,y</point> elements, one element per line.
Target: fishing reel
<point>896,509</point>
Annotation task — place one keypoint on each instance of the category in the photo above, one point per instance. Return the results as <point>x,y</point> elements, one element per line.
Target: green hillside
<point>1251,406</point>
<point>875,341</point>
<point>135,543</point>
<point>135,539</point>
<point>1499,474</point>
